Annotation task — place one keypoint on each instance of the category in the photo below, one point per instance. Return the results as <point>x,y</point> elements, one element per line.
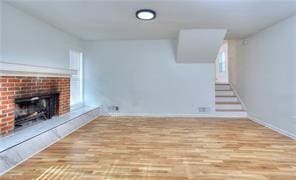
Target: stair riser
<point>223,87</point>
<point>229,106</point>
<point>226,99</point>
<point>232,114</point>
<point>224,93</point>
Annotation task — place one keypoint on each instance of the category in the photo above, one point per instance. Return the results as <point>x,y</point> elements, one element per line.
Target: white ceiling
<point>98,20</point>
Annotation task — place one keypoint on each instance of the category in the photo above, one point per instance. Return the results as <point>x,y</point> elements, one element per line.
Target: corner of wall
<point>274,128</point>
<point>267,53</point>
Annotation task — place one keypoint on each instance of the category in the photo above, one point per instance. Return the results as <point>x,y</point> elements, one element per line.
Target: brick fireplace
<point>14,87</point>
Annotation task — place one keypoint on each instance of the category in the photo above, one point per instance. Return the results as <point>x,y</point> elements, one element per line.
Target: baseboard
<point>210,115</point>
<point>274,128</point>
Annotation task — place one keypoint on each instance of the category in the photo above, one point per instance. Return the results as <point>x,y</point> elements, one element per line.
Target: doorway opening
<point>222,74</point>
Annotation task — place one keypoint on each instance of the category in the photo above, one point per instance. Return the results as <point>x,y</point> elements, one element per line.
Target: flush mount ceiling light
<point>146,14</point>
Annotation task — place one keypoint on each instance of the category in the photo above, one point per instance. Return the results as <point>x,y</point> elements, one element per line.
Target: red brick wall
<point>12,87</point>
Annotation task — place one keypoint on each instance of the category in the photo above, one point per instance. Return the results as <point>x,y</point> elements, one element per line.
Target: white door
<point>222,64</point>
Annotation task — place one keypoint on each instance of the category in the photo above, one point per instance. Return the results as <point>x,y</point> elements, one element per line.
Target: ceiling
<point>199,45</point>
<point>115,19</point>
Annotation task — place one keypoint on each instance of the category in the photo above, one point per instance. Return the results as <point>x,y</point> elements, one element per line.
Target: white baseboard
<point>270,126</point>
<point>210,115</point>
<point>213,115</point>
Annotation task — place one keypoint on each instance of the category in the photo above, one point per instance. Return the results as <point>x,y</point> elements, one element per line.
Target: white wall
<point>27,40</point>
<point>142,77</point>
<point>265,75</point>
<point>232,60</point>
<point>199,45</point>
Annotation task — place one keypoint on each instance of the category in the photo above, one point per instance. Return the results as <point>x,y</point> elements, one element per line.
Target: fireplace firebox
<point>41,106</point>
<point>17,89</point>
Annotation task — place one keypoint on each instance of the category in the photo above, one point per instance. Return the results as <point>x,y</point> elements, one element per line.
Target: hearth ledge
<point>19,146</point>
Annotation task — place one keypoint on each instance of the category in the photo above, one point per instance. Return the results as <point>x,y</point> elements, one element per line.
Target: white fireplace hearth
<point>24,143</point>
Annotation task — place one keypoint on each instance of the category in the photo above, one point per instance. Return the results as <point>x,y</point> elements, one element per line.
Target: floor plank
<point>165,148</point>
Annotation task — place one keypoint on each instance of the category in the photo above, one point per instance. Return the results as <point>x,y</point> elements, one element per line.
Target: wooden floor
<point>165,148</point>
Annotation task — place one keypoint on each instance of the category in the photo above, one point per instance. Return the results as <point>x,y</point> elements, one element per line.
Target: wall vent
<point>204,109</point>
<point>113,108</point>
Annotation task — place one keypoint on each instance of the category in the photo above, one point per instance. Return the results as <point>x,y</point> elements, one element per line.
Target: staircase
<point>227,103</point>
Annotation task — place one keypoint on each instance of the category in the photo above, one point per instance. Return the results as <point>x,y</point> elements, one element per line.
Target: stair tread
<point>223,89</point>
<point>229,110</point>
<point>225,96</point>
<point>217,83</point>
<point>227,99</point>
<point>228,102</point>
<point>227,105</point>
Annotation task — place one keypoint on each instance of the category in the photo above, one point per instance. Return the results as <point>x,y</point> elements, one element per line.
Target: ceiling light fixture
<point>146,14</point>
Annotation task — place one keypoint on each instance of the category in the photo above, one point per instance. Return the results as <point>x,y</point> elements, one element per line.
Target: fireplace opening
<point>38,107</point>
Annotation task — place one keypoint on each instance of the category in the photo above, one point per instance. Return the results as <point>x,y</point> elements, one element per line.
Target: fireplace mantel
<point>14,69</point>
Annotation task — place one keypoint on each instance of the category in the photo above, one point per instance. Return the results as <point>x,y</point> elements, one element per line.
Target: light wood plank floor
<point>165,148</point>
